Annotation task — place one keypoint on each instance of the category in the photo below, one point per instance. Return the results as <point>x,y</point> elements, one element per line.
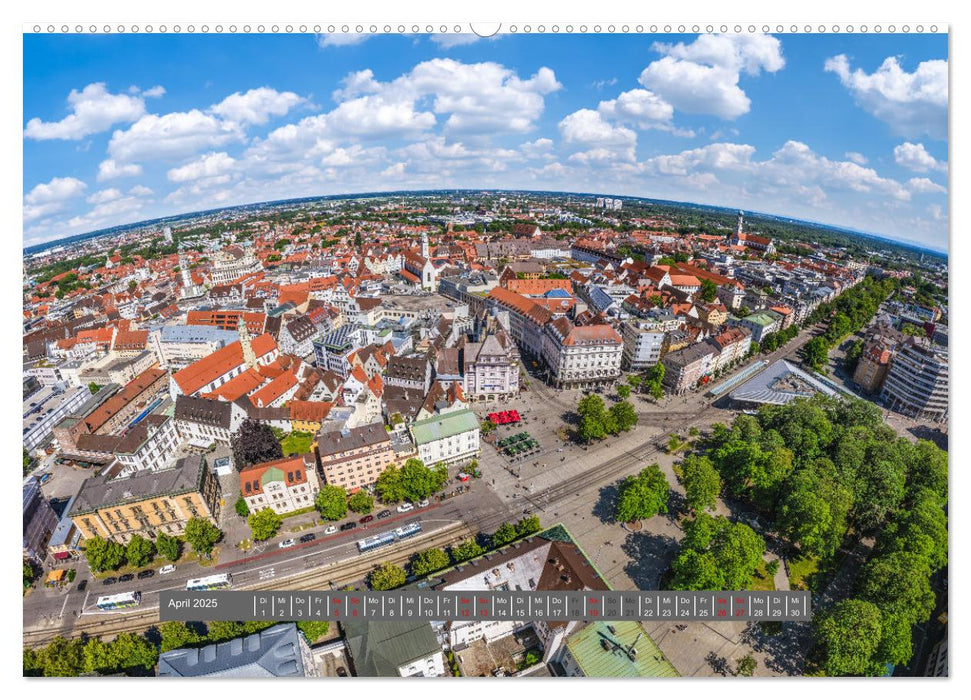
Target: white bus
<point>120,600</point>
<point>209,583</point>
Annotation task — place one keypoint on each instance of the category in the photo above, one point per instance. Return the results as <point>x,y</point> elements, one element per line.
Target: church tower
<point>184,269</point>
<point>424,245</point>
<point>741,219</point>
<point>249,357</point>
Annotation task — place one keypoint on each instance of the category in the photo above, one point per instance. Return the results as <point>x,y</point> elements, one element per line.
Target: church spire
<point>249,357</point>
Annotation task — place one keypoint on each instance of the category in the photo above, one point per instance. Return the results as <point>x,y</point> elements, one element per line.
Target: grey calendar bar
<point>709,606</point>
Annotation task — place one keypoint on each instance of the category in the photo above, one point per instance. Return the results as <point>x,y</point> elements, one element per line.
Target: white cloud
<point>604,141</point>
<point>448,41</point>
<point>601,84</point>
<point>209,165</point>
<point>702,77</point>
<point>345,39</point>
<point>540,148</point>
<point>172,135</point>
<point>914,156</point>
<point>855,157</point>
<point>716,156</point>
<point>911,103</point>
<point>393,171</point>
<point>156,91</point>
<point>50,197</point>
<point>140,191</point>
<point>936,211</point>
<point>640,108</point>
<point>102,196</point>
<point>93,110</point>
<point>256,106</point>
<point>109,169</point>
<point>923,185</point>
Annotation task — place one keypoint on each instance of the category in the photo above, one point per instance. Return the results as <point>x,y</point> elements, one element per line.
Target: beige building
<point>356,457</point>
<point>147,503</point>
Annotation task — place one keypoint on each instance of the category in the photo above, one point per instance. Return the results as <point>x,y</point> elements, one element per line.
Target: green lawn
<point>296,443</point>
<point>800,570</point>
<point>761,581</point>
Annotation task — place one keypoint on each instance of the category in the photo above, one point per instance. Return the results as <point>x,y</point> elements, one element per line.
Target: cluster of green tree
<point>596,421</point>
<point>708,291</point>
<point>651,381</point>
<point>107,555</point>
<point>702,483</point>
<point>821,468</point>
<point>716,554</point>
<point>774,341</point>
<point>68,284</point>
<point>851,311</point>
<point>28,460</point>
<point>46,272</point>
<point>136,655</point>
<point>281,244</point>
<point>412,482</point>
<point>852,357</point>
<point>388,576</point>
<point>30,573</point>
<point>861,635</point>
<point>678,257</point>
<point>255,443</point>
<point>911,329</point>
<point>643,495</point>
<point>333,502</point>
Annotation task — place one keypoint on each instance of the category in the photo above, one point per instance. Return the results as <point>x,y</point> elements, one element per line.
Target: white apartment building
<point>447,438</point>
<point>581,355</point>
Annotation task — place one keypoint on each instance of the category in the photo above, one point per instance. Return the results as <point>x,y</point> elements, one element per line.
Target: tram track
<point>338,573</point>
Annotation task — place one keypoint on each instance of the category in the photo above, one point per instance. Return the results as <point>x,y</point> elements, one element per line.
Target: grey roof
<point>781,383</point>
<point>335,442</point>
<point>195,409</point>
<point>378,649</point>
<point>102,491</point>
<point>272,653</point>
<point>197,334</point>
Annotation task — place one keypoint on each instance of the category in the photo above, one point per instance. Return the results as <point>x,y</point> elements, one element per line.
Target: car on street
<point>423,503</point>
<point>126,578</point>
<point>366,519</point>
<point>167,569</point>
<point>331,529</point>
<point>309,537</point>
<point>147,573</point>
<point>405,507</point>
<point>384,514</point>
<point>348,526</point>
<point>289,542</point>
<point>108,581</point>
<point>82,584</point>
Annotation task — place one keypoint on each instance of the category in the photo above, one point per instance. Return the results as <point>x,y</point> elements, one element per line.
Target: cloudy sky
<point>841,129</point>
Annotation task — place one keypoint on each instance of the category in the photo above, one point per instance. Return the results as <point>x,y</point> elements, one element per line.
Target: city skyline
<point>705,119</point>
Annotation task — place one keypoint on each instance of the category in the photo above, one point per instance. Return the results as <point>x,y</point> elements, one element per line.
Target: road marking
<point>64,605</point>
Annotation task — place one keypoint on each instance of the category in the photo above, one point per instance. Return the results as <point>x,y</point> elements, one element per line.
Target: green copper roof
<point>587,649</point>
<point>444,426</point>
<point>271,474</point>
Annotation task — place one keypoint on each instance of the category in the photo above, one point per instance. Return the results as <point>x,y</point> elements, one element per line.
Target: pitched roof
<point>291,470</point>
<point>192,378</point>
<point>275,389</point>
<point>274,652</point>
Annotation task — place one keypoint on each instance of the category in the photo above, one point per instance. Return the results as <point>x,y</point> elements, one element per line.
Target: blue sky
<point>844,129</point>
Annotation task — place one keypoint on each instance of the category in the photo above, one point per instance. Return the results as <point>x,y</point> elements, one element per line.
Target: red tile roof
<point>274,390</point>
<point>192,378</point>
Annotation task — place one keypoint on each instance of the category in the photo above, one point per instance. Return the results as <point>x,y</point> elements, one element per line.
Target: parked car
<point>167,569</point>
<point>462,476</point>
<point>147,573</point>
<point>126,578</point>
<point>348,526</point>
<point>108,581</point>
<point>384,514</point>
<point>331,529</point>
<point>423,504</point>
<point>309,537</point>
<point>287,543</point>
<point>82,584</point>
<point>405,507</point>
<point>366,519</point>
